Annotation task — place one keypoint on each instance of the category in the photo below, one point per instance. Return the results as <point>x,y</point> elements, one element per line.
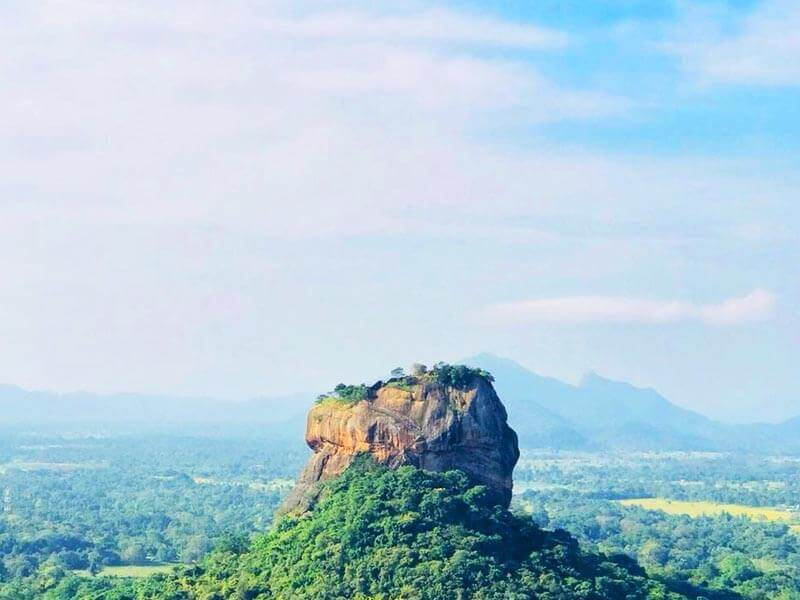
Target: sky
<point>243,199</point>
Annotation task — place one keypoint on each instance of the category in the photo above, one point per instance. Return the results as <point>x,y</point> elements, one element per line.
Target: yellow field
<point>697,508</point>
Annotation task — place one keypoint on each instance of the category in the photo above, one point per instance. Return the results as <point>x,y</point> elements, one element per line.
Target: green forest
<point>90,503</point>
<point>171,516</point>
<point>379,533</point>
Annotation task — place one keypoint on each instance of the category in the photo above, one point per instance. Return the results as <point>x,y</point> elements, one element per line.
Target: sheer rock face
<point>426,425</point>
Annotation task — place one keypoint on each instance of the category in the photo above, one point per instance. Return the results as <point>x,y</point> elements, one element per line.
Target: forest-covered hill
<point>382,534</point>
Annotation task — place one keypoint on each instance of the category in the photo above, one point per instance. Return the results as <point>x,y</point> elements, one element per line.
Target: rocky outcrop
<point>412,421</point>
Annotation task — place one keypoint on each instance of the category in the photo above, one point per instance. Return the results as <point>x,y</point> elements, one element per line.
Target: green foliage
<point>727,556</point>
<point>457,376</point>
<point>404,384</point>
<point>418,369</point>
<point>130,501</point>
<point>460,377</point>
<point>381,534</point>
<point>347,394</point>
<point>87,503</point>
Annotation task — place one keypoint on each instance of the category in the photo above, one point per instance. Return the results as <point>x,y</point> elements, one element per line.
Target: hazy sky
<point>248,198</point>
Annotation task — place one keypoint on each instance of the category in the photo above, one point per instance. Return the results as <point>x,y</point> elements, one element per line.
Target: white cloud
<point>756,306</point>
<point>437,26</point>
<point>758,48</point>
<point>255,117</point>
<point>407,23</point>
<point>190,178</point>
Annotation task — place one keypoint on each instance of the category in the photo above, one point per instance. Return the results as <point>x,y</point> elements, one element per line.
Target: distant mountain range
<point>20,408</point>
<point>546,413</point>
<point>599,413</point>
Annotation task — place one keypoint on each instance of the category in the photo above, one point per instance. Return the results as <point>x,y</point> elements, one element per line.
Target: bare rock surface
<point>414,421</point>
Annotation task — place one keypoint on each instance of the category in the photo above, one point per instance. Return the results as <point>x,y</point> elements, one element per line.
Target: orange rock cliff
<point>415,421</point>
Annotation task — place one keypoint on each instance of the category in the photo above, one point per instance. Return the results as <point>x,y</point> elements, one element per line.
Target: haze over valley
<point>430,300</point>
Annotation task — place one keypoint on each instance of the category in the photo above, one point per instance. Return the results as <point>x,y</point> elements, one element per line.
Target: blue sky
<point>260,198</point>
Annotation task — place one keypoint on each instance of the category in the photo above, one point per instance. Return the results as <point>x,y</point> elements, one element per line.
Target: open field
<point>278,484</point>
<point>698,508</point>
<point>131,570</point>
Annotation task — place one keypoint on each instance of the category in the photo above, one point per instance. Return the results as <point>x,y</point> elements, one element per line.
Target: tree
<point>418,369</point>
<point>736,568</point>
<point>407,533</point>
<point>95,566</point>
<point>196,546</point>
<point>398,372</point>
<point>133,554</point>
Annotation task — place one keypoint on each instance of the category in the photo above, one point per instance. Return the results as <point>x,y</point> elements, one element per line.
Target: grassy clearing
<point>400,385</point>
<point>274,485</point>
<point>206,481</point>
<point>337,402</point>
<point>130,570</point>
<point>136,570</point>
<point>699,508</point>
<point>766,565</point>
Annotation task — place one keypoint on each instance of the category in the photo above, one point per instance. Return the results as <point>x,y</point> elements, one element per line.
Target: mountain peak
<point>487,359</point>
<point>594,379</point>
